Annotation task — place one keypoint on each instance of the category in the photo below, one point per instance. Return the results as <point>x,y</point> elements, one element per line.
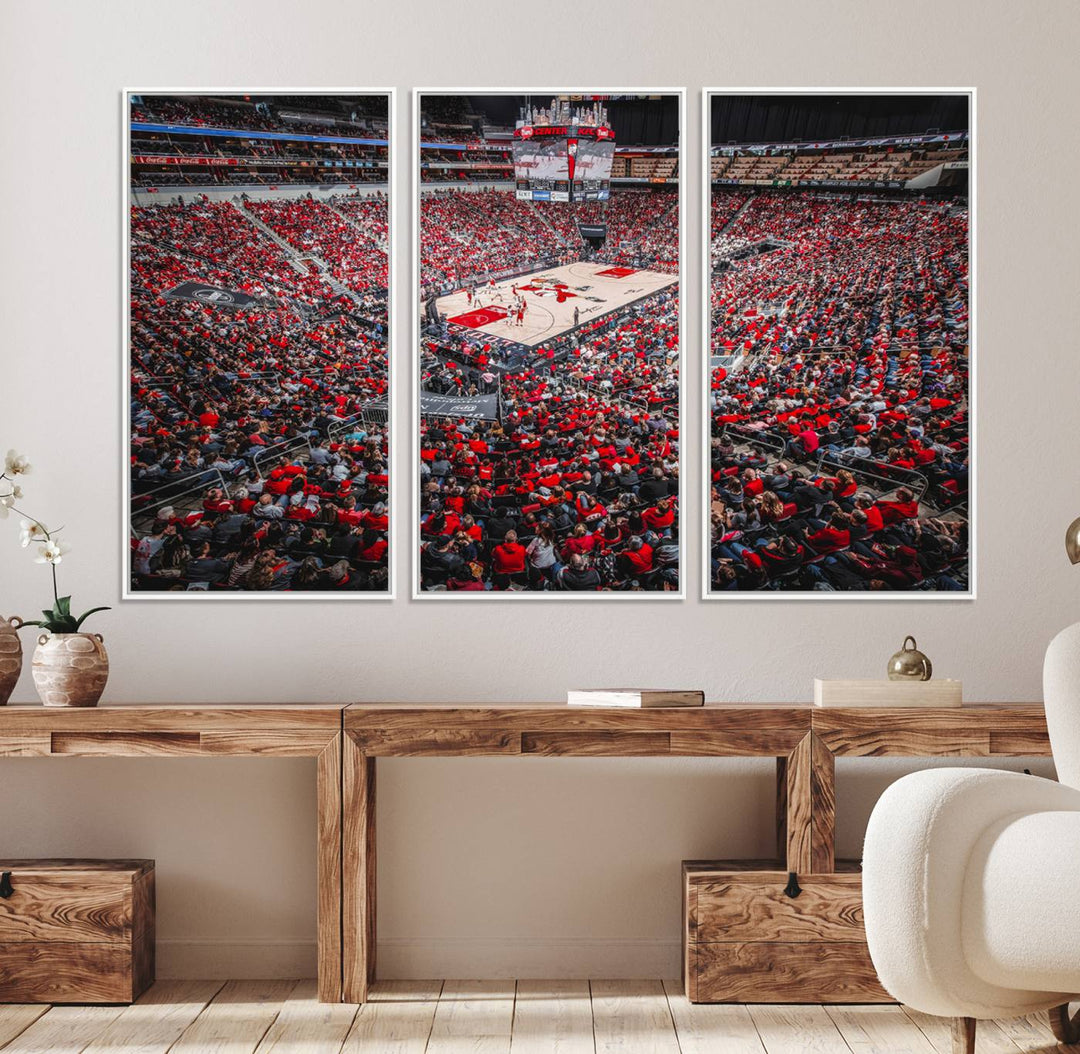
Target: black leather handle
<point>5,885</point>
<point>792,889</point>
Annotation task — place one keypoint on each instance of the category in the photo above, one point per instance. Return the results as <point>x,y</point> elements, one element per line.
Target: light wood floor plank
<point>552,1017</point>
<point>396,1019</point>
<point>632,1016</point>
<point>306,1026</point>
<point>16,1018</point>
<point>989,1039</point>
<point>473,1016</point>
<point>712,1028</point>
<point>1029,1033</point>
<point>486,1017</point>
<point>238,1018</point>
<point>797,1030</point>
<point>64,1030</point>
<point>876,1029</point>
<point>155,1022</point>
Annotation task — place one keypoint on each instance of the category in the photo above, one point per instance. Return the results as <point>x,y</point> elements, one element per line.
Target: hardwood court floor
<point>483,1017</point>
<point>595,293</point>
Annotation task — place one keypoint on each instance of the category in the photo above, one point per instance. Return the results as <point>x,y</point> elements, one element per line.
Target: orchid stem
<point>36,522</point>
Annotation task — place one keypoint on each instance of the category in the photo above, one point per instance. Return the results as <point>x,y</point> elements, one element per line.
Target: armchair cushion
<point>1021,902</point>
<point>923,836</point>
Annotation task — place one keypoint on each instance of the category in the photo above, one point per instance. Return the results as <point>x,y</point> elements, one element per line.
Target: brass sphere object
<point>910,664</point>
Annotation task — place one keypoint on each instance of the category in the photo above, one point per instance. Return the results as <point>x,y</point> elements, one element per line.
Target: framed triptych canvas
<point>548,344</point>
<point>544,364</point>
<point>839,326</point>
<point>257,386</point>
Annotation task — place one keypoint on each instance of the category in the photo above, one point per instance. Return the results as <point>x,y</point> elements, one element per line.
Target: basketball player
<point>521,312</point>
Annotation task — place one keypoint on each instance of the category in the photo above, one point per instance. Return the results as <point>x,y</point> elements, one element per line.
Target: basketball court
<point>551,298</point>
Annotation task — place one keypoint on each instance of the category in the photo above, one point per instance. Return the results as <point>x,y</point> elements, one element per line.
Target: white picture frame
<point>705,263</point>
<point>269,596</point>
<point>684,487</point>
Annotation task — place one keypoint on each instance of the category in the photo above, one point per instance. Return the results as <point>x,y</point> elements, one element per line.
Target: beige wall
<point>544,866</point>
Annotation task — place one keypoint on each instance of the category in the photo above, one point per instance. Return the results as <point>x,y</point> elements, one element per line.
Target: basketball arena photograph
<point>258,371</point>
<point>837,307</point>
<point>549,344</point>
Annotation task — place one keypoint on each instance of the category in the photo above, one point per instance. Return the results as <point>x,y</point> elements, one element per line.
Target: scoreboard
<point>563,162</point>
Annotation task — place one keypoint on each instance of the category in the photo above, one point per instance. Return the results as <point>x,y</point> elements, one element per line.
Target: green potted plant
<point>70,667</point>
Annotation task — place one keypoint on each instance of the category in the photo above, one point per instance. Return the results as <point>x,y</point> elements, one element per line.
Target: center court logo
<point>214,296</point>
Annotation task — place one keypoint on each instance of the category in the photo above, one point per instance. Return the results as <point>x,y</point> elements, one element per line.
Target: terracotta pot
<point>70,669</point>
<point>10,656</point>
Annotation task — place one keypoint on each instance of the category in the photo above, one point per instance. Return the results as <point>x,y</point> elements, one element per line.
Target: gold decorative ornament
<point>1072,541</point>
<point>909,664</point>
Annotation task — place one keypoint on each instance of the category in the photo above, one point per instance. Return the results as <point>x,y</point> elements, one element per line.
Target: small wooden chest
<point>747,939</point>
<point>76,931</point>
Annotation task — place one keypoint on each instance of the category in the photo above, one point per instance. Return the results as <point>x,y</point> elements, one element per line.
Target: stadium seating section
<point>839,394</point>
<point>259,433</point>
<point>214,159</point>
<point>866,165</point>
<point>576,486</point>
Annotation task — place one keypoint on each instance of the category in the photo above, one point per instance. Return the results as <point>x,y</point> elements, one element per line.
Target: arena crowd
<point>574,485</point>
<point>259,437</point>
<point>839,395</point>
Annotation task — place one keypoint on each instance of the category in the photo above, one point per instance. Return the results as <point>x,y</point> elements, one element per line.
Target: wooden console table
<point>805,741</point>
<point>347,740</point>
<point>208,730</point>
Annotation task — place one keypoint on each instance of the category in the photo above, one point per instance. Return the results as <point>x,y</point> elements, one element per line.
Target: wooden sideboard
<point>346,740</point>
<point>805,741</point>
<point>208,730</point>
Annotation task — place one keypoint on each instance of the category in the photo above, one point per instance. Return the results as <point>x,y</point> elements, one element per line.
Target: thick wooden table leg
<point>806,807</point>
<point>358,889</point>
<point>823,795</point>
<point>329,867</point>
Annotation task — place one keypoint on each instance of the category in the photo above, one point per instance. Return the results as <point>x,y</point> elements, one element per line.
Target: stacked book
<point>634,697</point>
<point>888,693</point>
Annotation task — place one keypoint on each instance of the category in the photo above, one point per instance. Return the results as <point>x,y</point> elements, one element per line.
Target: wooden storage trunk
<point>76,931</point>
<point>746,940</point>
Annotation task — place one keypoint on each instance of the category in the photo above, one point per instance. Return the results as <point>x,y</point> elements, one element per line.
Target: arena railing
<point>372,414</point>
<point>178,493</point>
<point>162,379</point>
<point>891,475</point>
<point>279,452</point>
<point>766,440</point>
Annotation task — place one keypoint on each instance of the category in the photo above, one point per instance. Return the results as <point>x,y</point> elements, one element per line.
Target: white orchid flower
<point>52,552</point>
<point>8,500</point>
<point>16,464</point>
<point>31,531</point>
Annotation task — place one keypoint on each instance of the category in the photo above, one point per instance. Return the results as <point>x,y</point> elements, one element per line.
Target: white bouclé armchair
<point>971,880</point>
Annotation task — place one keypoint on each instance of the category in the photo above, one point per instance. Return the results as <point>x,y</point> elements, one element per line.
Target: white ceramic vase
<point>70,669</point>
